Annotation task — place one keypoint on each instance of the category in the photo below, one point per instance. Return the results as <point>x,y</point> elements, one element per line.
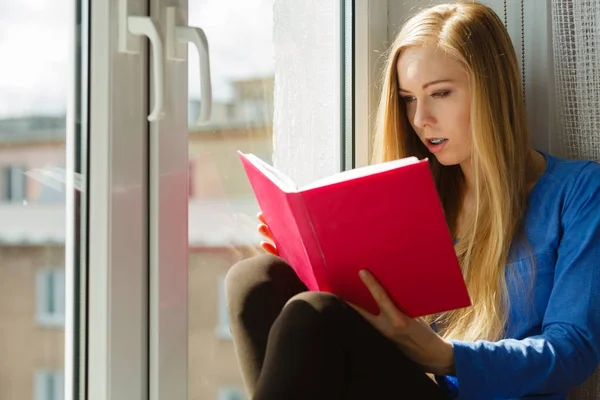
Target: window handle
<point>144,26</point>
<point>177,39</point>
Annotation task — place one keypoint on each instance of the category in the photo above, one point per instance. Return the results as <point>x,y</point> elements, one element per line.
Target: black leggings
<point>294,344</point>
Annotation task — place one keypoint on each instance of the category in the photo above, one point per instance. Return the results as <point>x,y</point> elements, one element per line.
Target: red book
<point>386,218</point>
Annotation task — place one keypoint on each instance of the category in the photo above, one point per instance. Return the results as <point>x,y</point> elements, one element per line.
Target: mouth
<point>435,145</point>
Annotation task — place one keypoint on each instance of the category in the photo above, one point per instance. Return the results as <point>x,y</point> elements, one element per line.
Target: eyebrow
<point>429,84</point>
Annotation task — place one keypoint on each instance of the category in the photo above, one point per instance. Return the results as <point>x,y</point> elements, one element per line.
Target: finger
<point>265,231</point>
<point>386,305</point>
<point>261,217</point>
<point>269,248</point>
<point>261,229</point>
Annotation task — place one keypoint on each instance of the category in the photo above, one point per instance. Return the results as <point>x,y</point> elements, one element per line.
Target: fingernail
<point>362,273</point>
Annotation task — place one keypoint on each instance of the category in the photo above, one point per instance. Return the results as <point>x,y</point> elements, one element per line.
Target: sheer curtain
<point>576,50</point>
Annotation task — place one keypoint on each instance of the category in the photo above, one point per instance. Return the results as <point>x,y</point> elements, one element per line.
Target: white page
<point>362,171</point>
<point>276,176</point>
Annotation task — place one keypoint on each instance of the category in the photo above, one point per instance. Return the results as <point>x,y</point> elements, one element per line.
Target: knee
<point>247,274</point>
<point>314,314</point>
<point>322,303</point>
<point>258,282</point>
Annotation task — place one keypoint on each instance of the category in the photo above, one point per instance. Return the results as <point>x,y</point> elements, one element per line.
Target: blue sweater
<point>553,333</point>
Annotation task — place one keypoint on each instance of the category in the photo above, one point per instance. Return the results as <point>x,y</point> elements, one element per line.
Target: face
<point>436,91</point>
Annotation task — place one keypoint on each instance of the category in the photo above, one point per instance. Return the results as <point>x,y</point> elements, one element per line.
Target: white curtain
<point>576,44</point>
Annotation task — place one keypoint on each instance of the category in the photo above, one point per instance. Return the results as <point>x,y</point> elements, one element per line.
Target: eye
<point>408,99</point>
<point>440,95</point>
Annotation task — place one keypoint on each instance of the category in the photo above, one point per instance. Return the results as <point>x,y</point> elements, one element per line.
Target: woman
<point>527,230</point>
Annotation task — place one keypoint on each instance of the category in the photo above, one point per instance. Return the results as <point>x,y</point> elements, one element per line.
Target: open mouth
<point>436,141</point>
<point>436,145</point>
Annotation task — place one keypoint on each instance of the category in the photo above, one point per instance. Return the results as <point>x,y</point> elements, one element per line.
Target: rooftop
<point>211,223</point>
<point>33,128</point>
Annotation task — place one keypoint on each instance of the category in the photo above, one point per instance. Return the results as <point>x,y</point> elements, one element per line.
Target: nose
<point>422,115</point>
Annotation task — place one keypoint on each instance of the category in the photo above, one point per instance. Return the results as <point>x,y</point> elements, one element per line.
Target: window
<point>39,75</point>
<point>230,393</point>
<point>78,94</point>
<point>50,293</point>
<point>48,385</point>
<point>14,188</point>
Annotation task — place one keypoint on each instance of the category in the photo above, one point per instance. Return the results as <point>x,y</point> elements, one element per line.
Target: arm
<point>568,349</point>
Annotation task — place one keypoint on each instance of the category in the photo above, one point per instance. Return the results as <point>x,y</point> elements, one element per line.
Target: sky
<point>35,49</point>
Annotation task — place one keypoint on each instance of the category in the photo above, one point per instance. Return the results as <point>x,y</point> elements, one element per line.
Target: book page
<point>362,171</point>
<point>276,176</point>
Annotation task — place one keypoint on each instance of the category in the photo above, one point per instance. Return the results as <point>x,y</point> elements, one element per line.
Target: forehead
<point>419,65</point>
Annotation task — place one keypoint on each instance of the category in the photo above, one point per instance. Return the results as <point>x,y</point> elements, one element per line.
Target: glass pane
<point>37,47</point>
<point>222,208</point>
<point>276,67</point>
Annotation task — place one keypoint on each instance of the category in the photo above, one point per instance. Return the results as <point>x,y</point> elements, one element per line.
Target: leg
<point>256,291</point>
<point>303,360</point>
<point>320,348</point>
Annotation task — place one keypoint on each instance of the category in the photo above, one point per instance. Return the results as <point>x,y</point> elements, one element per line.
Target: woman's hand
<point>263,229</point>
<point>414,336</point>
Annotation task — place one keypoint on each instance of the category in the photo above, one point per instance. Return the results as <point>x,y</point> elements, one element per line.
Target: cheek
<point>465,113</point>
<point>460,119</point>
<point>464,122</point>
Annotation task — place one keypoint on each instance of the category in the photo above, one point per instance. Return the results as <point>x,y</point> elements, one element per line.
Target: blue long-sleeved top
<point>553,333</point>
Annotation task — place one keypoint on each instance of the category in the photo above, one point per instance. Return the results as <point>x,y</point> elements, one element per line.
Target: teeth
<point>437,140</point>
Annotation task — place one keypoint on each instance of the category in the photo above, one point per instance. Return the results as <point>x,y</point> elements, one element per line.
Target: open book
<point>386,218</point>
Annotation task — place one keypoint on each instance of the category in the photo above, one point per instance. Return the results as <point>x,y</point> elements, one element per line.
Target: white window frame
<point>370,36</point>
<point>168,225</point>
<point>116,202</point>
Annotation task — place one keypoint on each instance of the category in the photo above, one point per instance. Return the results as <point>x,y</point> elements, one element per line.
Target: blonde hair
<point>472,34</point>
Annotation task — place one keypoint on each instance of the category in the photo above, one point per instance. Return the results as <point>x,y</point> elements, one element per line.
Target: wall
<point>212,362</point>
<point>308,79</point>
<point>25,345</point>
<point>216,168</point>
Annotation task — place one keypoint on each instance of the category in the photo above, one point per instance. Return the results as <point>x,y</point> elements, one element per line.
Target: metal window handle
<point>144,26</point>
<point>177,39</point>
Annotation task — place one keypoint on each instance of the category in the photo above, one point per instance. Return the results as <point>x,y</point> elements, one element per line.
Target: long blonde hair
<point>472,34</point>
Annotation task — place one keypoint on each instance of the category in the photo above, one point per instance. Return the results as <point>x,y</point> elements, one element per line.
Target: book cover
<point>388,220</point>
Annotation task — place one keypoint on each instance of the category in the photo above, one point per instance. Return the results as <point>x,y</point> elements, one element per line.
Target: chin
<point>447,160</point>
